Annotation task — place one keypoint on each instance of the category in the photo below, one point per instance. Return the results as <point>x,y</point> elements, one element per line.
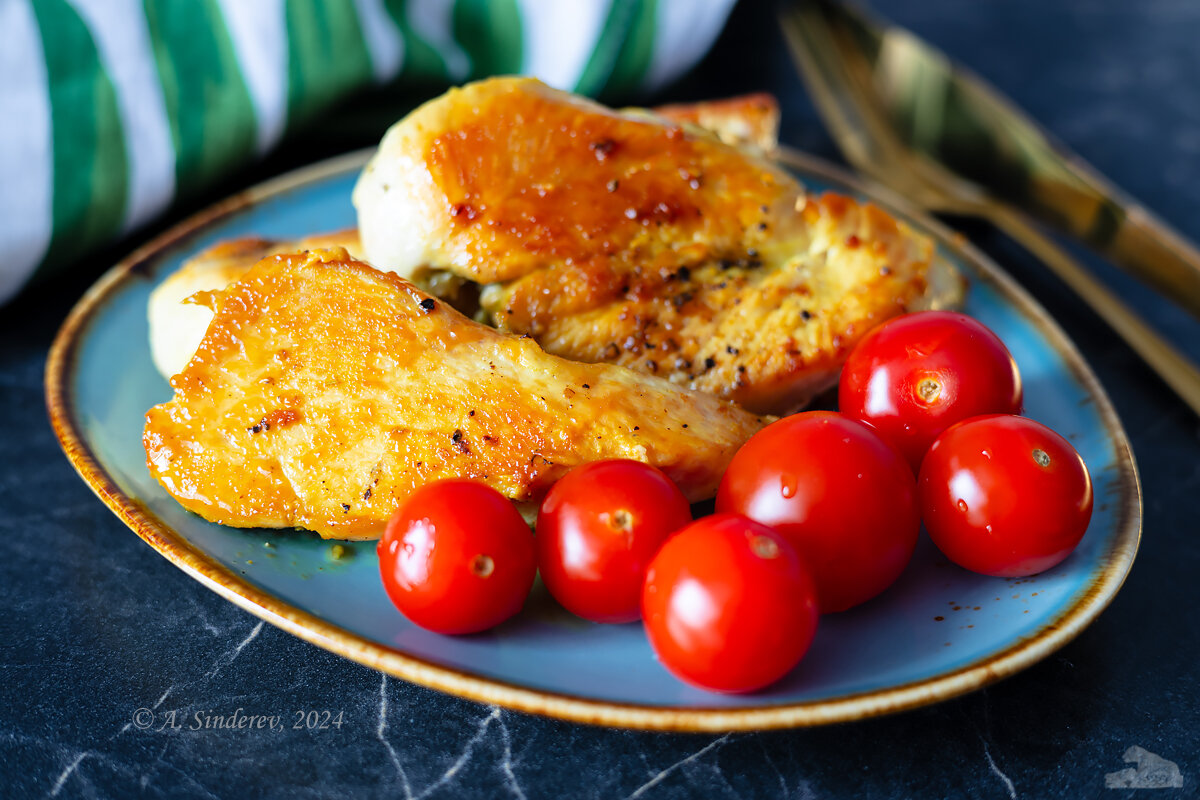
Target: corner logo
<point>1151,772</point>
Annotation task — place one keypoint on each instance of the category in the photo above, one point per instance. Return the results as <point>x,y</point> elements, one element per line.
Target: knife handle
<point>1069,195</point>
<point>1176,370</point>
<point>1149,249</point>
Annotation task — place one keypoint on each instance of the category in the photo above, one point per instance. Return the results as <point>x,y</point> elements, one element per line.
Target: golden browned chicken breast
<point>324,391</point>
<point>177,326</point>
<point>510,180</point>
<point>629,238</point>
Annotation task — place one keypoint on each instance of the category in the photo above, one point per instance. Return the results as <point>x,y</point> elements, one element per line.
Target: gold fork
<point>840,79</point>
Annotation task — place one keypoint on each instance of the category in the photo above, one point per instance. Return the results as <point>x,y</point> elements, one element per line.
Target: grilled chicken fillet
<point>325,391</point>
<point>631,238</point>
<point>176,330</point>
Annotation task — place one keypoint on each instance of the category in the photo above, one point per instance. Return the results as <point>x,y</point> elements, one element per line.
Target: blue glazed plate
<point>939,632</point>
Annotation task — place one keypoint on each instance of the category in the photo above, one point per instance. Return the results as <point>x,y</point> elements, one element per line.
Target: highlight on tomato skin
<point>1005,496</point>
<point>597,530</point>
<point>917,374</point>
<point>729,605</point>
<point>840,494</point>
<point>457,557</point>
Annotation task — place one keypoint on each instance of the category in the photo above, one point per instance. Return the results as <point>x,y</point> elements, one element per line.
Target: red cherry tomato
<point>916,375</point>
<point>597,530</point>
<point>844,497</point>
<point>1005,496</point>
<point>728,604</point>
<point>457,557</point>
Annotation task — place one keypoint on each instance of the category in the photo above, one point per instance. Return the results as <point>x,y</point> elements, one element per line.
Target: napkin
<point>112,108</point>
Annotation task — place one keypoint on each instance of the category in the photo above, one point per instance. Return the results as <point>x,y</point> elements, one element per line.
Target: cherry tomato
<point>597,530</point>
<point>457,557</point>
<point>916,375</point>
<point>728,604</point>
<point>844,497</point>
<point>1005,496</point>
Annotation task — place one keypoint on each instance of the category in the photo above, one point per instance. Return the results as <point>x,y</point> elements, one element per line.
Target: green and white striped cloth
<point>111,108</point>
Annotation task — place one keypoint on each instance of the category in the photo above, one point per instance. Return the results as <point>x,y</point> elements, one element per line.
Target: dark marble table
<point>95,624</point>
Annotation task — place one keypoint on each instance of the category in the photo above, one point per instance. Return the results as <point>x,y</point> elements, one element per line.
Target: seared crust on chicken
<point>767,336</point>
<point>629,238</point>
<point>325,391</point>
<point>177,326</point>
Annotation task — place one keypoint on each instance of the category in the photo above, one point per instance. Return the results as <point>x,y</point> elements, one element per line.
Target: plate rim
<point>1022,653</point>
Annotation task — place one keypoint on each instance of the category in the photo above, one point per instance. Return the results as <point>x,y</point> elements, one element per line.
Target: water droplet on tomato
<point>962,506</point>
<point>787,486</point>
<point>986,454</point>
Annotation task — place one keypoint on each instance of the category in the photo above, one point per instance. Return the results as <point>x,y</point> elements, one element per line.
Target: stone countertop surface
<point>95,624</point>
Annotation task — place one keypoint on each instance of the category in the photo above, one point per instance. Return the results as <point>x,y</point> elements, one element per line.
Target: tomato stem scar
<point>764,547</point>
<point>483,566</point>
<point>929,389</point>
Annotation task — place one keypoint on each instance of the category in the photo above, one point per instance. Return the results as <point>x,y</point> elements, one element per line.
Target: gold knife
<point>940,109</point>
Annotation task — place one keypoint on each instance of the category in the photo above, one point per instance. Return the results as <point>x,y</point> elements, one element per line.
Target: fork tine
<point>808,37</point>
<point>810,40</point>
<point>840,80</point>
<point>864,137</point>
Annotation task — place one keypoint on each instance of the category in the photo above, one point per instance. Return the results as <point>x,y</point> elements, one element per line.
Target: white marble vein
<point>222,661</point>
<point>154,707</point>
<point>506,766</point>
<point>1008,784</point>
<point>203,617</point>
<point>165,694</point>
<point>232,655</point>
<point>464,757</point>
<point>783,790</point>
<point>381,729</point>
<point>656,779</point>
<point>66,773</point>
<point>984,736</point>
